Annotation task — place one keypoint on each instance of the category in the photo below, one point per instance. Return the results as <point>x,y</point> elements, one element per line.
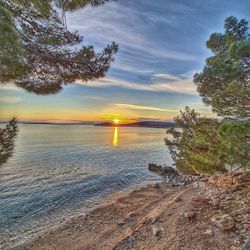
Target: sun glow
<point>116,121</point>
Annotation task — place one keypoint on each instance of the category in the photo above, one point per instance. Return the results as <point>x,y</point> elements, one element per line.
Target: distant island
<point>51,123</point>
<point>146,124</point>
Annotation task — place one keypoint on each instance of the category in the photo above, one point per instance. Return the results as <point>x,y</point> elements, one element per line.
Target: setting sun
<point>116,121</point>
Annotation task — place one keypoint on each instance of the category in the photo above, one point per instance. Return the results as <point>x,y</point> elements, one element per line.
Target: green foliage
<point>39,54</point>
<point>235,139</point>
<point>203,145</point>
<point>194,143</point>
<point>224,82</point>
<point>7,136</point>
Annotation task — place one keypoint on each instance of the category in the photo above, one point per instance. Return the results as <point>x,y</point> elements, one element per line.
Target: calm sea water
<point>59,171</point>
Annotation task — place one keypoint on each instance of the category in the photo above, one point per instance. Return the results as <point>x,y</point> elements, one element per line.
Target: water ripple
<point>59,171</point>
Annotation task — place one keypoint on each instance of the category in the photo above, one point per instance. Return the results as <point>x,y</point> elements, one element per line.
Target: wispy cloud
<point>116,21</point>
<point>9,86</point>
<point>148,119</point>
<point>171,84</point>
<point>10,99</point>
<point>165,76</point>
<point>138,107</point>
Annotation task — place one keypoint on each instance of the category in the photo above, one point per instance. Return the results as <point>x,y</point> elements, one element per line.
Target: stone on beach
<point>156,231</point>
<point>165,170</point>
<point>209,232</point>
<point>224,222</point>
<point>177,199</point>
<point>189,215</point>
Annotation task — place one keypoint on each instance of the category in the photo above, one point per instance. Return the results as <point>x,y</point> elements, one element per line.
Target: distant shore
<point>145,124</point>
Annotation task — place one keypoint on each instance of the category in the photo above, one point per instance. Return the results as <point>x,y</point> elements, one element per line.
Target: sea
<point>61,171</point>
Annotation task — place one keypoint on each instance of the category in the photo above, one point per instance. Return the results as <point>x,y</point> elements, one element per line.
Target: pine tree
<point>39,54</point>
<point>224,82</point>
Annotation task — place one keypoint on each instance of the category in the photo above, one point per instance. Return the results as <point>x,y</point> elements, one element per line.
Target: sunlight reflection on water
<point>115,137</point>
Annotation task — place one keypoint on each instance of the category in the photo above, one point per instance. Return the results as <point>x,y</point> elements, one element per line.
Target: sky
<point>161,46</point>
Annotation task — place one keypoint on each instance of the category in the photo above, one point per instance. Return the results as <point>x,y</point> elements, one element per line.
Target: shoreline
<point>107,200</point>
<point>101,205</point>
<point>155,216</point>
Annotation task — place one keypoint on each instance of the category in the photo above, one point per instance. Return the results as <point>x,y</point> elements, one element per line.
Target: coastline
<point>156,216</point>
<point>125,205</point>
<point>87,209</point>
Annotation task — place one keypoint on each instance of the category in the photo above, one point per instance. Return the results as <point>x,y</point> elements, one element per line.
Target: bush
<point>204,145</point>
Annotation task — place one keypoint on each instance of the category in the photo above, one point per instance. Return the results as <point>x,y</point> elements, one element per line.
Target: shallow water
<point>58,171</point>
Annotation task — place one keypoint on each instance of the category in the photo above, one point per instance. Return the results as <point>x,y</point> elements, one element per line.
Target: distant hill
<point>52,123</point>
<point>146,124</point>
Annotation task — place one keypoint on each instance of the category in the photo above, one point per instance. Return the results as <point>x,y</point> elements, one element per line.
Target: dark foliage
<point>39,54</point>
<point>7,136</point>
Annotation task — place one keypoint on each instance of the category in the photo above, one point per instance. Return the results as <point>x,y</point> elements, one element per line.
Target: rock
<point>234,248</point>
<point>157,185</point>
<point>156,231</point>
<point>209,232</point>
<point>224,222</point>
<point>236,242</point>
<point>165,171</point>
<point>177,199</point>
<point>243,177</point>
<point>199,184</point>
<point>189,215</point>
<point>204,179</point>
<point>215,202</point>
<point>169,171</point>
<point>130,240</point>
<point>129,215</point>
<point>231,179</point>
<point>154,167</point>
<point>228,198</point>
<point>213,179</point>
<point>120,223</point>
<point>153,220</point>
<point>235,188</point>
<point>196,184</point>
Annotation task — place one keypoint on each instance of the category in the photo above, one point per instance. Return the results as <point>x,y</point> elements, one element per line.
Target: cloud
<point>116,21</point>
<point>148,119</point>
<point>10,99</point>
<point>171,85</point>
<point>165,76</point>
<point>127,67</point>
<point>184,86</point>
<point>9,86</point>
<point>138,107</point>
